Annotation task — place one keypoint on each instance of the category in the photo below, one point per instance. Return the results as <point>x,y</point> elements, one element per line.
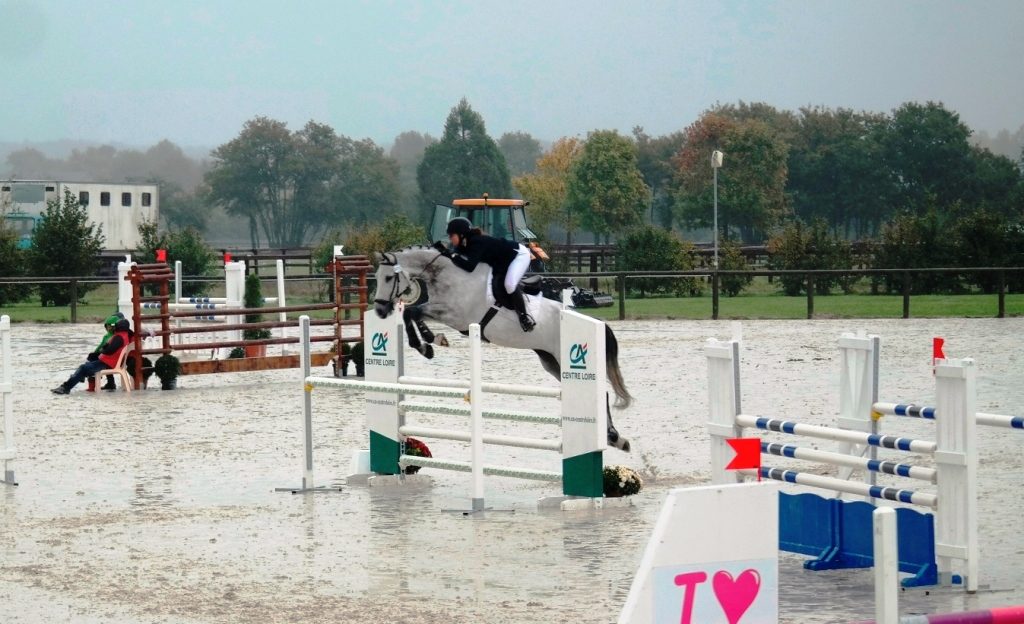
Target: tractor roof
<point>486,201</point>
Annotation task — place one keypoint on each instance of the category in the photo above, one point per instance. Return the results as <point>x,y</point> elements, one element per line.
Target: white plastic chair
<point>119,370</point>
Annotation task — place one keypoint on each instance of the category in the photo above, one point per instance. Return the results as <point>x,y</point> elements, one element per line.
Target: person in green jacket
<point>108,325</point>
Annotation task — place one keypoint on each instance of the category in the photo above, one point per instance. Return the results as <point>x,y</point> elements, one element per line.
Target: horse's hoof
<point>427,351</point>
<point>440,340</point>
<point>619,442</point>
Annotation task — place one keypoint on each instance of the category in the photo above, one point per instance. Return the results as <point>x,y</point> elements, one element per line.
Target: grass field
<point>98,304</point>
<point>832,306</point>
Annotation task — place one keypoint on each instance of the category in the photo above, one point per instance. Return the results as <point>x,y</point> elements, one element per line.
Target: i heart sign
<point>736,595</point>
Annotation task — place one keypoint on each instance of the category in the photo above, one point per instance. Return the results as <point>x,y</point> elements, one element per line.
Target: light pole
<point>716,163</point>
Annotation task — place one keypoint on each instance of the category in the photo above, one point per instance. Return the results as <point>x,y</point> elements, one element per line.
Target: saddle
<point>531,285</point>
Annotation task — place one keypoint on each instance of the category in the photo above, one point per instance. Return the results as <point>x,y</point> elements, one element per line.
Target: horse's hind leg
<point>614,439</point>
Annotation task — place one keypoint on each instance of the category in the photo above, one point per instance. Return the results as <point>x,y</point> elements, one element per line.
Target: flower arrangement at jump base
<point>621,481</point>
<point>416,448</point>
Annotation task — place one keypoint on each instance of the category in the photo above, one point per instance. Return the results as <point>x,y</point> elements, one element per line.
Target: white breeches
<point>517,269</point>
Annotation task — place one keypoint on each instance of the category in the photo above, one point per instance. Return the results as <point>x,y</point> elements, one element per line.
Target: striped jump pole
<point>850,487</point>
<point>839,459</point>
<point>953,451</point>
<point>7,451</point>
<point>930,413</point>
<point>836,435</point>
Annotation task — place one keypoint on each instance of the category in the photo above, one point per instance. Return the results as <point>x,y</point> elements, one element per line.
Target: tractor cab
<point>501,218</point>
<point>506,218</point>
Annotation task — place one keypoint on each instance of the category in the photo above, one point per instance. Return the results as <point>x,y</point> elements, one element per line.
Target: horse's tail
<point>611,345</point>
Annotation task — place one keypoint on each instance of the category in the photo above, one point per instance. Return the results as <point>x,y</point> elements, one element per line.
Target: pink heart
<point>737,595</point>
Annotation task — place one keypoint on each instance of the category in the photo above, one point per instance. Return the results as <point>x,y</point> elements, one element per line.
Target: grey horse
<point>434,288</point>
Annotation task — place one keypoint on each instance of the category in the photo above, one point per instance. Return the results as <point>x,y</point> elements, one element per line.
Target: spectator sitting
<point>109,326</point>
<point>107,358</point>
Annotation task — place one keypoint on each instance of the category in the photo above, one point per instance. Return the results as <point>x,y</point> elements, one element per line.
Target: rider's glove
<point>441,248</point>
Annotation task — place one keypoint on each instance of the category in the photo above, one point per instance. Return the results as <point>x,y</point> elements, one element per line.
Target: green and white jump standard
<point>581,414</point>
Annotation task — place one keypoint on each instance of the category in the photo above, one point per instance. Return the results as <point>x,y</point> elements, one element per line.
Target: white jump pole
<point>7,452</point>
<point>476,407</point>
<point>307,406</point>
<point>307,417</point>
<point>282,316</point>
<point>177,282</point>
<point>887,582</point>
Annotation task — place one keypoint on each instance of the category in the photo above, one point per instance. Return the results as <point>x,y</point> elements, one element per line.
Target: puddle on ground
<point>159,506</point>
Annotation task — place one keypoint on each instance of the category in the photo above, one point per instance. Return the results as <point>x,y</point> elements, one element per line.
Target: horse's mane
<point>426,256</point>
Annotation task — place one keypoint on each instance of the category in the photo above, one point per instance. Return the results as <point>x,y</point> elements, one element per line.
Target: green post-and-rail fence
<point>810,278</point>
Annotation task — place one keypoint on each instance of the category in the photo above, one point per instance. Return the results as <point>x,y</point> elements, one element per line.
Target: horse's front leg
<point>413,335</point>
<point>416,314</point>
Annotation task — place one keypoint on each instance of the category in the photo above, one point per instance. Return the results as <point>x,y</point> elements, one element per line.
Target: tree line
<point>853,171</point>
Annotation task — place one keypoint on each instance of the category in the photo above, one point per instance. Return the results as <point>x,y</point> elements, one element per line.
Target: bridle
<point>396,289</point>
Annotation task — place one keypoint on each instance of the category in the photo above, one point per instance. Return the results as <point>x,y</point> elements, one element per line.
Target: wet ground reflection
<point>159,506</point>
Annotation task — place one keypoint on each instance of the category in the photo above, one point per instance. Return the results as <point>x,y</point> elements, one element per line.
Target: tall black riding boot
<point>519,303</point>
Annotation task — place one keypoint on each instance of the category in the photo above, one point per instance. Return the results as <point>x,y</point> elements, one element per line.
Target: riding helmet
<point>460,226</point>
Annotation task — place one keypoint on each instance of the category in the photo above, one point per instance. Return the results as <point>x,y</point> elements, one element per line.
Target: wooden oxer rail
<point>350,279</point>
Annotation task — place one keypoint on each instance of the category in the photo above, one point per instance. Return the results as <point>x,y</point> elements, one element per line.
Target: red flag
<point>937,353</point>
<point>161,255</point>
<point>748,454</point>
<point>227,257</point>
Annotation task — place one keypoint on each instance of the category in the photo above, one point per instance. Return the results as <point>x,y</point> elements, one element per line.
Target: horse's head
<point>392,283</point>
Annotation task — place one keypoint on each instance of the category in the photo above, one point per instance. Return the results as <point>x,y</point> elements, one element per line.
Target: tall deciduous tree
<point>65,243</point>
<point>926,146</point>
<point>837,171</point>
<point>465,162</point>
<point>605,187</point>
<point>654,159</point>
<point>291,185</point>
<point>751,189</point>
<point>546,187</point>
<point>996,183</point>
<point>254,176</point>
<point>182,209</point>
<point>521,152</point>
<point>407,151</point>
<point>365,186</point>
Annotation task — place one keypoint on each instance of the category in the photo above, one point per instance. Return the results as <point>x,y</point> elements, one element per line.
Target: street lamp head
<point>716,159</point>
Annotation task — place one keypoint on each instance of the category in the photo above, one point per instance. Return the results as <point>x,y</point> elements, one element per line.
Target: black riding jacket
<point>497,252</point>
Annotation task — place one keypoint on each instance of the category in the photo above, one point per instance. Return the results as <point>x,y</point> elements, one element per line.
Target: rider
<point>508,260</point>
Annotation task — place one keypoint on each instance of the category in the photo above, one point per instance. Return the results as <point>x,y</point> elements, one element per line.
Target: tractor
<point>506,218</point>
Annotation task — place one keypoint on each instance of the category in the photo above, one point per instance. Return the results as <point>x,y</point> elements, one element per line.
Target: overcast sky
<point>137,71</point>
